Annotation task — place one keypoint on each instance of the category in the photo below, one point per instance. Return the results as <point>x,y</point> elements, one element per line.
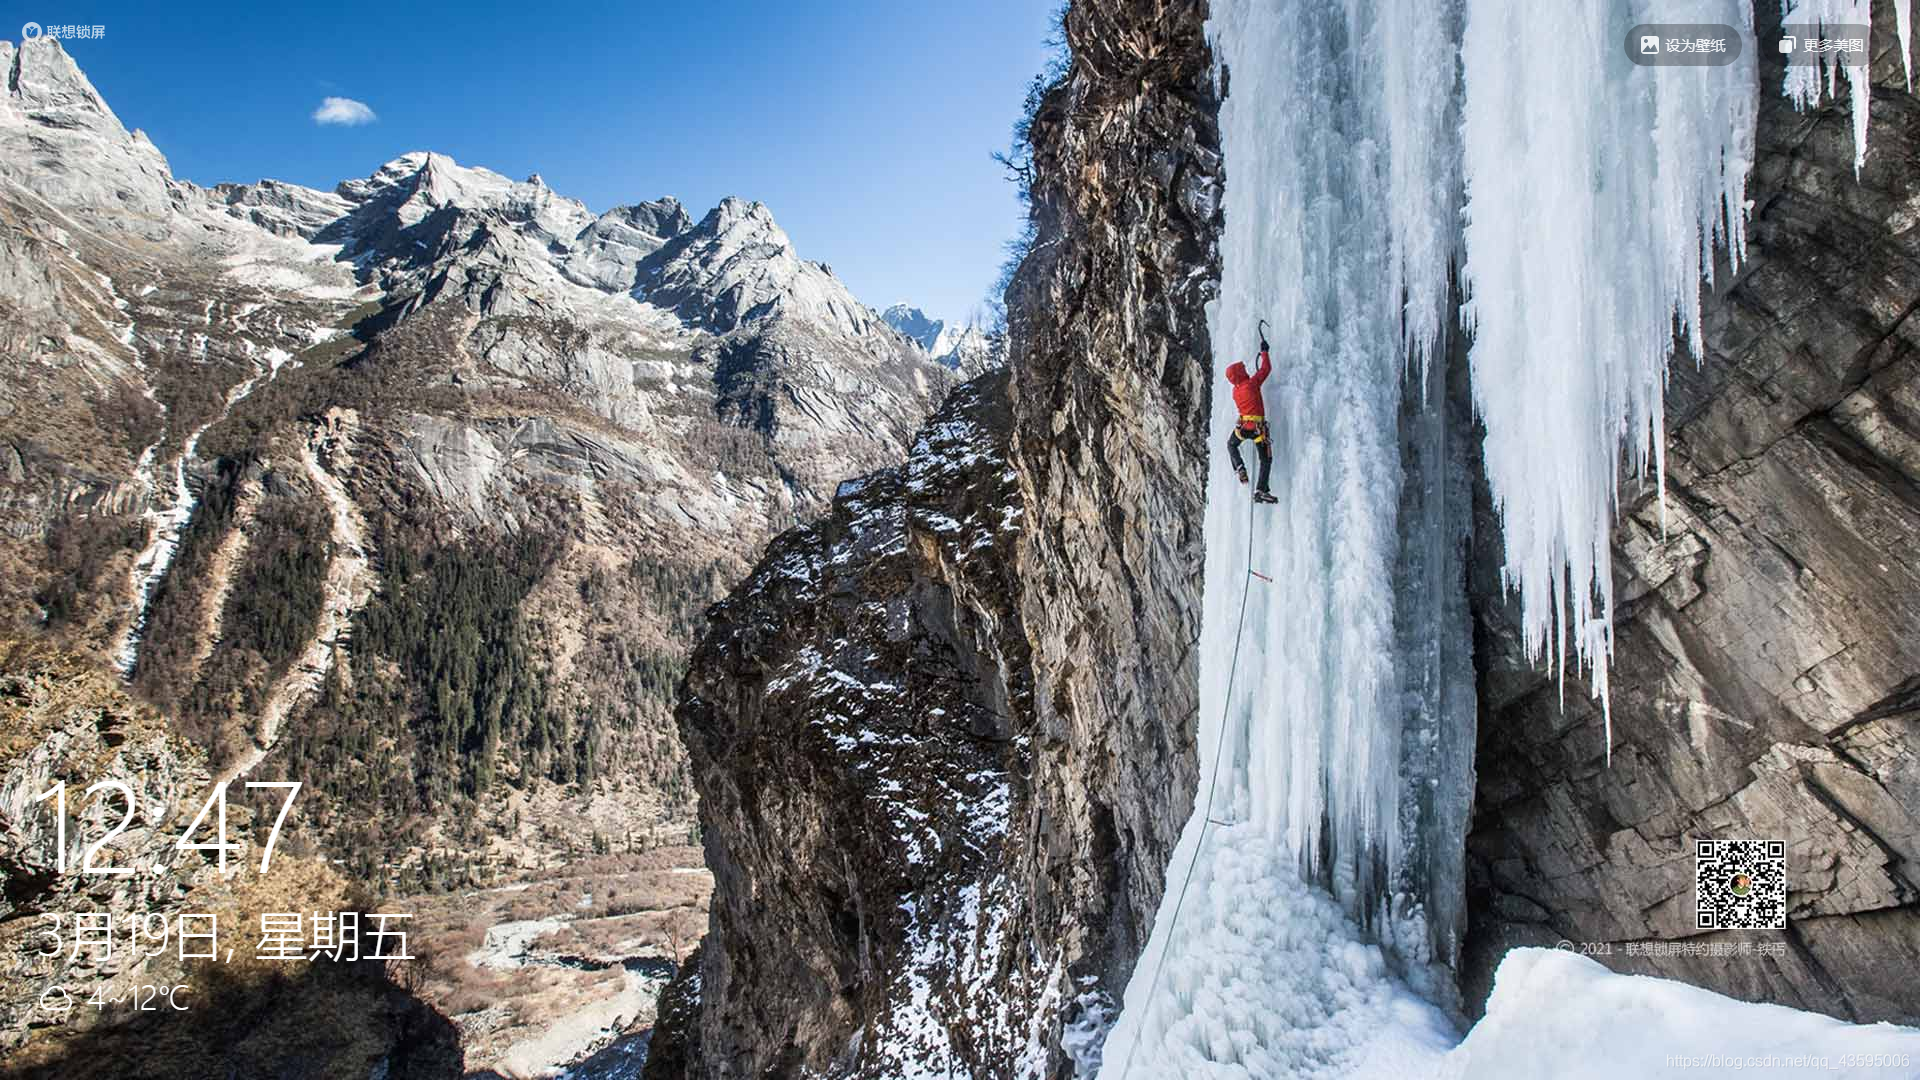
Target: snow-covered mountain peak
<point>423,221</point>
<point>733,208</point>
<point>968,349</point>
<point>43,79</point>
<point>423,209</point>
<point>419,183</point>
<point>59,140</point>
<point>737,223</point>
<point>964,348</point>
<point>441,181</point>
<point>607,254</point>
<point>663,217</point>
<point>737,266</point>
<point>914,323</point>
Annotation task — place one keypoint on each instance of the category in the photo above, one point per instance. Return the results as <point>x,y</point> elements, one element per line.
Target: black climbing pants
<point>1258,433</point>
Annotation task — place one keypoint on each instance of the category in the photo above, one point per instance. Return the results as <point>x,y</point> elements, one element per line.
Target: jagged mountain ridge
<point>736,265</point>
<point>968,350</point>
<point>258,432</point>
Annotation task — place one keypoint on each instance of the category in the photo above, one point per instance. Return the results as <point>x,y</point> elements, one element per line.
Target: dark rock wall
<point>1111,368</point>
<point>1764,682</point>
<point>856,719</point>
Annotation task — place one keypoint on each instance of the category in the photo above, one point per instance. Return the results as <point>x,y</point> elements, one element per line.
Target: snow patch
<point>1553,1013</point>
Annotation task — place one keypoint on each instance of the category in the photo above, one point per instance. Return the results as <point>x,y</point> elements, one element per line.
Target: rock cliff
<point>1111,389</point>
<point>1765,667</point>
<point>858,722</point>
<point>944,739</point>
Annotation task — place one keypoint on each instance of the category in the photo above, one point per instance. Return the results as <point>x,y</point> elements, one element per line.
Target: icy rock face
<point>859,719</point>
<point>1635,185</point>
<point>1765,660</point>
<point>1334,706</point>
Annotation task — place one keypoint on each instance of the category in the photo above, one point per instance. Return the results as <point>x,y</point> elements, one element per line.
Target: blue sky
<point>865,126</point>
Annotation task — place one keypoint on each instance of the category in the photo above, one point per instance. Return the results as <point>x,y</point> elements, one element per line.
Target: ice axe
<point>1263,335</point>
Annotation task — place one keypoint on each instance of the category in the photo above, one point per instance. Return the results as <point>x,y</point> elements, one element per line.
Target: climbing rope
<point>1213,782</point>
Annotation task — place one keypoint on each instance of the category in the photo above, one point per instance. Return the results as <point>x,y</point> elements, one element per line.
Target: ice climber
<point>1253,420</point>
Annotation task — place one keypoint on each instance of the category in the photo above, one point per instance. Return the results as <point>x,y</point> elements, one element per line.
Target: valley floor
<point>549,971</point>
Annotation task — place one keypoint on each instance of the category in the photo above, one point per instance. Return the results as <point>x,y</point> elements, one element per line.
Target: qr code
<point>1740,884</point>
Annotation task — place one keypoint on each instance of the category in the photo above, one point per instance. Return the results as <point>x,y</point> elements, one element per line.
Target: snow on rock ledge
<point>857,722</point>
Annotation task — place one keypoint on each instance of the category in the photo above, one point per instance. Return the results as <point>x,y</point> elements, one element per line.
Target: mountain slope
<point>414,490</point>
<point>63,720</point>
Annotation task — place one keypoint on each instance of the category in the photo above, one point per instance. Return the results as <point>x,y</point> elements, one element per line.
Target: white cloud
<point>343,111</point>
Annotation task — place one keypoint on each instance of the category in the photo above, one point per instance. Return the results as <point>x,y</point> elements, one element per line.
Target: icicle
<point>1903,27</point>
<point>1590,222</point>
<point>1804,81</point>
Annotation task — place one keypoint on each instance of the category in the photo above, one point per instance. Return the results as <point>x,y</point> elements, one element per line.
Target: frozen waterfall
<point>1372,147</point>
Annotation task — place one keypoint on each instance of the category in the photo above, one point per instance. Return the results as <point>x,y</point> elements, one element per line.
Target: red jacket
<point>1246,391</point>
